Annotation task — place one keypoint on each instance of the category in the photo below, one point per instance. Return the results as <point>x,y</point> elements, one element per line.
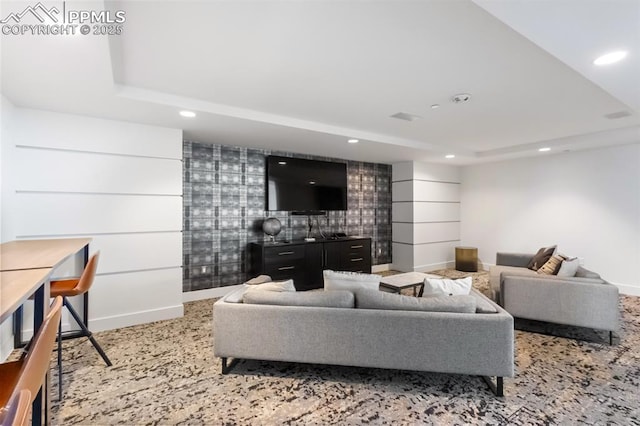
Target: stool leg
<point>87,332</point>
<point>60,360</point>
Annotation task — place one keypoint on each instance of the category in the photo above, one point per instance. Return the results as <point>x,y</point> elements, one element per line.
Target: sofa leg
<point>610,338</point>
<point>497,388</point>
<point>228,367</point>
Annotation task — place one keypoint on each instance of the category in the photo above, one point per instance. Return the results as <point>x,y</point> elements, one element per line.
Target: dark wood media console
<point>304,261</point>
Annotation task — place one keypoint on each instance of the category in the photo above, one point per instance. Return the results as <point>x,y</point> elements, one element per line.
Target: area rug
<point>165,373</point>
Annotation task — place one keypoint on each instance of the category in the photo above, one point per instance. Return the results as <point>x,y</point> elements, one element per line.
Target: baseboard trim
<point>381,268</point>
<point>434,266</point>
<point>136,318</point>
<point>629,290</point>
<point>209,293</point>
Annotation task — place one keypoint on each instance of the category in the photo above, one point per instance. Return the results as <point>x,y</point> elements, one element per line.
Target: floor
<point>165,373</point>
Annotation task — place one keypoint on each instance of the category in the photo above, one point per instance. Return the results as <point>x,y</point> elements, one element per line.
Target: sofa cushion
<point>328,299</point>
<point>585,273</point>
<point>375,299</point>
<point>446,287</point>
<point>352,281</point>
<point>552,265</point>
<point>569,267</point>
<point>496,271</point>
<point>483,305</point>
<point>541,257</point>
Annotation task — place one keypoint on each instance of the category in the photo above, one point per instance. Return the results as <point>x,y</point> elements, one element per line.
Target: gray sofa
<point>463,343</point>
<point>585,300</point>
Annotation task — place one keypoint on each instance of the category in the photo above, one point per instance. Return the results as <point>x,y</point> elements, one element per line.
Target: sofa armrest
<point>578,301</point>
<point>513,259</point>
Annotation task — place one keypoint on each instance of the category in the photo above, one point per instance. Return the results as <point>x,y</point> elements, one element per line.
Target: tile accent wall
<point>224,190</point>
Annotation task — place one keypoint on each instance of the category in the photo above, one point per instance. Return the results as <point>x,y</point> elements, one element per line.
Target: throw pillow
<point>541,257</point>
<point>352,281</point>
<point>322,299</point>
<point>552,265</point>
<point>260,279</point>
<point>569,267</point>
<point>375,299</point>
<point>274,286</point>
<point>237,295</point>
<point>446,287</point>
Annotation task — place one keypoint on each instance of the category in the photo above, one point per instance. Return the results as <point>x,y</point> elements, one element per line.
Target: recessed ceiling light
<point>188,114</point>
<point>545,149</point>
<point>313,182</point>
<point>449,156</point>
<point>353,140</point>
<point>435,106</point>
<point>610,58</point>
<point>282,163</point>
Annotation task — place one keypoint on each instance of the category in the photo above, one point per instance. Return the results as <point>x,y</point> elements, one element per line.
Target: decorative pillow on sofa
<point>569,267</point>
<point>541,257</point>
<point>352,281</point>
<point>375,299</point>
<point>321,299</point>
<point>446,287</point>
<point>260,279</point>
<point>275,286</point>
<point>552,265</point>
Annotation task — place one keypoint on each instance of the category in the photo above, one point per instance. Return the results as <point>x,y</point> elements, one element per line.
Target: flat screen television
<point>305,186</point>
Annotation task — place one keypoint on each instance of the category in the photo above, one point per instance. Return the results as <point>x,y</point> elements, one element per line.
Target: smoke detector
<point>460,98</point>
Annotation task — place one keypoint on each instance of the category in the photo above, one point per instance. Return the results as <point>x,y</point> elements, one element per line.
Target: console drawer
<point>283,254</point>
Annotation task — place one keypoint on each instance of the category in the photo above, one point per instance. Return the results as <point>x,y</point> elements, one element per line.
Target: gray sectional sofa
<point>585,300</point>
<point>341,333</point>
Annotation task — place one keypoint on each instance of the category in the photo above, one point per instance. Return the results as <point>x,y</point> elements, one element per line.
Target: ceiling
<point>305,76</point>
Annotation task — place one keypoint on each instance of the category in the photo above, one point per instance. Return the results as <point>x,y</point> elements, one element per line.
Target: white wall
<point>586,202</point>
<point>119,183</point>
<point>425,215</point>
<point>6,114</point>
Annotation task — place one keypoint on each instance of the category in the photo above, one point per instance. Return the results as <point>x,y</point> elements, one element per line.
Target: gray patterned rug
<point>165,373</point>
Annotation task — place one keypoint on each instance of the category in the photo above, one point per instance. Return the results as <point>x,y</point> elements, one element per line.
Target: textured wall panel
<point>71,214</point>
<point>47,170</point>
<point>434,256</point>
<point>71,132</point>
<point>421,233</point>
<point>122,294</point>
<point>435,212</point>
<point>129,252</point>
<point>435,191</point>
<point>224,208</point>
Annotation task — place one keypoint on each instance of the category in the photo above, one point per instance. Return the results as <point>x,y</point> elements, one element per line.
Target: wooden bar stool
<point>29,372</point>
<point>74,287</point>
<point>18,410</point>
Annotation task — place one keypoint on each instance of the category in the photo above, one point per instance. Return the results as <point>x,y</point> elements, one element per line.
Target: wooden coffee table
<point>397,283</point>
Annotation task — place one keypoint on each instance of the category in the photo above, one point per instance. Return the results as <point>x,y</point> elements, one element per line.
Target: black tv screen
<point>295,184</point>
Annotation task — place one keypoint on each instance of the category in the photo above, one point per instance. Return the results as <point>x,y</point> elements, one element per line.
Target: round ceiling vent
<point>460,98</point>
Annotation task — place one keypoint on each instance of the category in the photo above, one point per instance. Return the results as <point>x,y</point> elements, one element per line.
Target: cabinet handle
<point>357,260</point>
<point>354,247</point>
<point>284,253</point>
<point>286,268</point>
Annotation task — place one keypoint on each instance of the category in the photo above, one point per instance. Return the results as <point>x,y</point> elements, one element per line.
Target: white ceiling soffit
<point>306,76</point>
<point>579,31</point>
